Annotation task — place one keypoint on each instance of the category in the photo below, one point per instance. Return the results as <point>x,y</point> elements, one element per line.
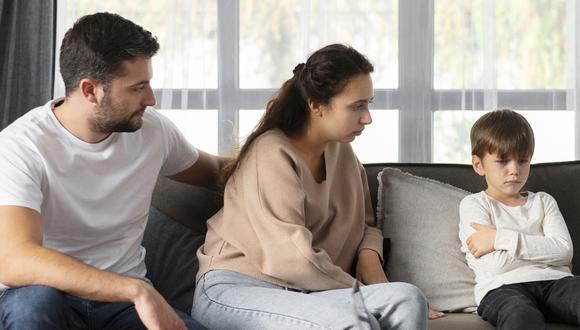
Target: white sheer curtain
<point>519,54</point>
<point>439,64</point>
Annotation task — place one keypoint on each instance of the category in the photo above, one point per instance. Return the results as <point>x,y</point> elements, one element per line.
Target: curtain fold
<point>27,33</point>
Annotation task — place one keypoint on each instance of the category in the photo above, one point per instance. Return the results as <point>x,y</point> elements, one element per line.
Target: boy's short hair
<point>96,46</point>
<point>504,132</point>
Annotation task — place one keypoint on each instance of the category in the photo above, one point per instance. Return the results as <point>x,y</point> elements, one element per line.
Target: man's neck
<point>74,115</point>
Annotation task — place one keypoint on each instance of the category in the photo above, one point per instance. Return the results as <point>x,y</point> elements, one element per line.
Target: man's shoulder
<point>30,128</point>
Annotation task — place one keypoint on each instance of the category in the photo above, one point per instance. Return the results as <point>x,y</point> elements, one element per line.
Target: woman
<point>297,216</point>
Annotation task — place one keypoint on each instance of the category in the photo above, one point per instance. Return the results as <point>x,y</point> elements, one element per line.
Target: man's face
<point>125,98</point>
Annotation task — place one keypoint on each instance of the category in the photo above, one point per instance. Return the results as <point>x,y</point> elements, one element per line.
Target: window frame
<point>415,98</point>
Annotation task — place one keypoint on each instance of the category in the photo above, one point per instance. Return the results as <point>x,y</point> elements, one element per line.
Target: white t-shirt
<point>532,241</point>
<point>93,199</point>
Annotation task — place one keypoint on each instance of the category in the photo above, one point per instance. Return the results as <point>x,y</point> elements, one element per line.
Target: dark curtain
<point>27,35</point>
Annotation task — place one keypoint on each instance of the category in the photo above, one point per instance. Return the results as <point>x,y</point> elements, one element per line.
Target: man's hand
<point>482,241</point>
<point>154,311</point>
<point>369,269</point>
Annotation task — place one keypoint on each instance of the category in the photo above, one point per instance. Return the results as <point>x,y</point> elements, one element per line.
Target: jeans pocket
<point>2,292</point>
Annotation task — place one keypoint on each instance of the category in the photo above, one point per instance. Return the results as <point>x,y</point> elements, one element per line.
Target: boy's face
<point>505,177</point>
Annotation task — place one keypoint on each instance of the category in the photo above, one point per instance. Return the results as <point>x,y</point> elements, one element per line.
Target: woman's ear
<point>315,108</point>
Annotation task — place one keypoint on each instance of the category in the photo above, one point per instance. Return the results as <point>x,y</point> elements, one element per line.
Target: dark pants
<point>41,307</point>
<point>530,305</point>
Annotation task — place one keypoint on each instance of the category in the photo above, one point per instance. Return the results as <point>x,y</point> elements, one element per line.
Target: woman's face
<point>347,113</point>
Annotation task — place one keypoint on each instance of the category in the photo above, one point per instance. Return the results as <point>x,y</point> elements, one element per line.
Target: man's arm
<point>27,262</point>
<point>204,172</point>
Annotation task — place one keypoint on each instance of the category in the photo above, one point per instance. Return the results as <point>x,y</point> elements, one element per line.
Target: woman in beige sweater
<point>297,216</point>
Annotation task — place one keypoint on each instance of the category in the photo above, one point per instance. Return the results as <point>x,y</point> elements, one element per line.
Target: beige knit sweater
<point>279,225</point>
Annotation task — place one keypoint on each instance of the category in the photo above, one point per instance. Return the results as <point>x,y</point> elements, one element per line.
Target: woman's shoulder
<point>272,146</point>
<point>271,141</point>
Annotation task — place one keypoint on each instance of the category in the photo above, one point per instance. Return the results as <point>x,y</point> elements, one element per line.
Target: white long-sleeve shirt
<point>532,241</point>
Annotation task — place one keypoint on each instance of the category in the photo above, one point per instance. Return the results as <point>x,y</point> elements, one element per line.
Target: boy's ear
<point>477,164</point>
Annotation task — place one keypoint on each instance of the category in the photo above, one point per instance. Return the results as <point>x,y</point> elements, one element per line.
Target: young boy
<point>515,241</point>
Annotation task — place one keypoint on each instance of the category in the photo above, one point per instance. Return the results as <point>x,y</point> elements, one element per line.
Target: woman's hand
<point>369,269</point>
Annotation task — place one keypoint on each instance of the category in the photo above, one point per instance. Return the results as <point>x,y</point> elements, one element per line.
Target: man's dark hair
<point>96,46</point>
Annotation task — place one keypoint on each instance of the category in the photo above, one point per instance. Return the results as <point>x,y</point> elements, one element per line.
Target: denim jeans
<point>228,300</point>
<point>41,307</point>
<point>529,305</point>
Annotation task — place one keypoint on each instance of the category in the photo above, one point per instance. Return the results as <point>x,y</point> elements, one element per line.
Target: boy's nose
<point>513,169</point>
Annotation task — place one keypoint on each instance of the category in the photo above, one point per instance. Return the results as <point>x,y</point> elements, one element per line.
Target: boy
<point>515,241</point>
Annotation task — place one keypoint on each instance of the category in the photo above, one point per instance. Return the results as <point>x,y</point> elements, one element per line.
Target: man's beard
<point>105,122</point>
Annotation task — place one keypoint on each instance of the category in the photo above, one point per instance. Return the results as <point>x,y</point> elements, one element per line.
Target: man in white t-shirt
<point>76,180</point>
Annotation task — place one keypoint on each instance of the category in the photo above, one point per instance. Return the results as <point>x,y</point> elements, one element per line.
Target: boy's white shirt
<point>532,241</point>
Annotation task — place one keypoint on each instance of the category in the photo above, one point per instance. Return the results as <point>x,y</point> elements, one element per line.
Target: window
<point>439,64</point>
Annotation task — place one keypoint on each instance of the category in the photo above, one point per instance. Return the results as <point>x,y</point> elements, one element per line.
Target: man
<point>76,179</point>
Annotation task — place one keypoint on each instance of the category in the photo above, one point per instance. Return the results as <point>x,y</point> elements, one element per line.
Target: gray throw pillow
<point>170,259</point>
<point>420,216</point>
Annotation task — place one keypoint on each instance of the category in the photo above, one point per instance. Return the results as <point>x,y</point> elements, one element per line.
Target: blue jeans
<point>41,307</point>
<point>228,300</point>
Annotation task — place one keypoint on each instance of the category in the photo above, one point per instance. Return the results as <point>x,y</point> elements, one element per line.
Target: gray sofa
<point>171,245</point>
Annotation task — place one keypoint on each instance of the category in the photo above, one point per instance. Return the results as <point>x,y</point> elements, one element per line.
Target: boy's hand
<point>481,242</point>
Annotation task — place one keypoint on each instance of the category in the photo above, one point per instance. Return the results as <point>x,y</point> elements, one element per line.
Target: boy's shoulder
<point>477,198</point>
<point>477,202</point>
<point>543,197</point>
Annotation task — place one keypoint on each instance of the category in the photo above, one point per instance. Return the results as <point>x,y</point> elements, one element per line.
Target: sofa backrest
<point>192,206</point>
<point>559,179</point>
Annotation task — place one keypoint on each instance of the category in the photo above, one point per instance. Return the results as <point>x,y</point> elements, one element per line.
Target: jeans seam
<point>259,311</point>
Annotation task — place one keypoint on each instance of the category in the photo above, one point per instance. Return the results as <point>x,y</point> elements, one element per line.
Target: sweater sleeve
<point>275,200</point>
<point>554,247</point>
<point>473,210</point>
<point>373,236</point>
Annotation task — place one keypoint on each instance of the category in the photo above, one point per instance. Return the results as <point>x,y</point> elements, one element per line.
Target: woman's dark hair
<point>97,45</point>
<point>324,75</point>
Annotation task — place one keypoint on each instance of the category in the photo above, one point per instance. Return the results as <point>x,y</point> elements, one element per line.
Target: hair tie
<point>298,68</point>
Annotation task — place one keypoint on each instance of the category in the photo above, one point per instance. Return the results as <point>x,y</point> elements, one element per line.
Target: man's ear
<point>89,89</point>
<point>315,108</point>
<point>477,164</point>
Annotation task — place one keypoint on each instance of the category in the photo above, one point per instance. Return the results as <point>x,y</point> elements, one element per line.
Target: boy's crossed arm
<point>552,247</point>
<point>482,241</point>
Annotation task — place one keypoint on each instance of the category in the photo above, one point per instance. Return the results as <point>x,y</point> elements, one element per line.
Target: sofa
<point>417,207</point>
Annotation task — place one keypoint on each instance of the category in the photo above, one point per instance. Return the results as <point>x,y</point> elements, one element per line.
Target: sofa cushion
<point>420,216</point>
<point>170,259</point>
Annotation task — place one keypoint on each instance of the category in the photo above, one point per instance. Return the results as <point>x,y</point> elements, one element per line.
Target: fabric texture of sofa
<point>417,209</point>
